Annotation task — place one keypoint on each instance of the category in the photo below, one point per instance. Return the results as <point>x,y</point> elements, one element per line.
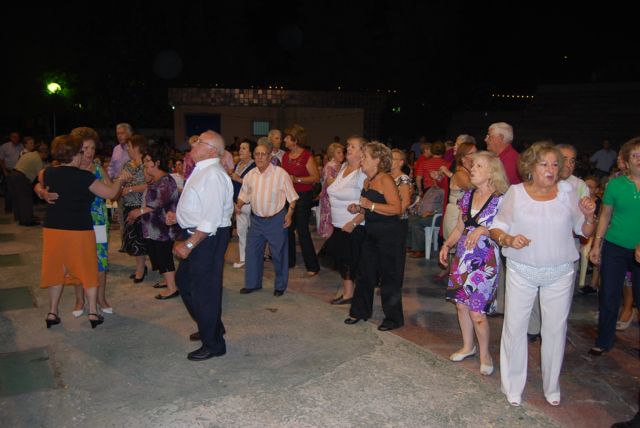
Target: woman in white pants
<point>535,226</point>
<point>243,219</point>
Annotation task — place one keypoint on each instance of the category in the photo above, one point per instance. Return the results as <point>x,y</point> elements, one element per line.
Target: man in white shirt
<point>9,155</point>
<point>204,212</point>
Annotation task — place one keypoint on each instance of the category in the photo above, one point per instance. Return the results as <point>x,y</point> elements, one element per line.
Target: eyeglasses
<point>260,154</point>
<point>634,155</point>
<point>202,142</point>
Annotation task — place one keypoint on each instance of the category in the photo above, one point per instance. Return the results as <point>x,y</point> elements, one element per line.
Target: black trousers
<point>300,224</point>
<point>381,261</point>
<point>199,279</point>
<point>21,196</point>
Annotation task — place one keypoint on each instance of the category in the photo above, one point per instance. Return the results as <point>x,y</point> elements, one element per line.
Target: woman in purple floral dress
<point>474,270</point>
<point>335,155</point>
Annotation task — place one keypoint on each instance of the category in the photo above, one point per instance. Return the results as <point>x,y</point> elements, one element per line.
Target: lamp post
<point>53,89</point>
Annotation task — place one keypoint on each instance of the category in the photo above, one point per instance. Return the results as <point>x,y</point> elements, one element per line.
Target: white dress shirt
<point>206,202</point>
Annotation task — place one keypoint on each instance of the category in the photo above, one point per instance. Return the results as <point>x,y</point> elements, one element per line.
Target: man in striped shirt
<point>267,188</point>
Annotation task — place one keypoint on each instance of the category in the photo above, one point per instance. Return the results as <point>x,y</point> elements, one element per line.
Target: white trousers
<point>243,220</point>
<point>555,285</point>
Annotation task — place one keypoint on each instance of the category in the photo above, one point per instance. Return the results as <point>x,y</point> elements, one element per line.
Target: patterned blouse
<point>161,195</point>
<point>133,199</point>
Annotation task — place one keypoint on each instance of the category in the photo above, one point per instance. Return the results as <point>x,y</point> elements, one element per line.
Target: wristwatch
<point>189,244</point>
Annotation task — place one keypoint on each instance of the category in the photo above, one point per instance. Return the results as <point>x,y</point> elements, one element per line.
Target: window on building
<point>260,127</point>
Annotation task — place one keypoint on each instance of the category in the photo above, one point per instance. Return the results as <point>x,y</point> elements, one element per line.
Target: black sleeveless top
<point>467,218</point>
<point>372,216</point>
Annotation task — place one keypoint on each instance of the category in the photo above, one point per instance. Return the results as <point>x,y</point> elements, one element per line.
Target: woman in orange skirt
<point>69,242</point>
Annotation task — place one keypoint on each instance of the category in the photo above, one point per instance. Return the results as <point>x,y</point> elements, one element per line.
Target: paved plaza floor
<point>290,362</point>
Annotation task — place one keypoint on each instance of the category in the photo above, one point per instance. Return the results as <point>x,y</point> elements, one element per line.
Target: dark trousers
<point>381,260</point>
<point>300,224</point>
<point>615,262</point>
<point>199,279</point>
<point>263,230</point>
<point>21,195</point>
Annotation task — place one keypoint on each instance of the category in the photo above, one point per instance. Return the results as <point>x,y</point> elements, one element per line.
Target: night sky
<point>440,56</point>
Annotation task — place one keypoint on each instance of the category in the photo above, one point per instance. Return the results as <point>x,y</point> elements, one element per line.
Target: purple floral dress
<point>330,171</point>
<point>474,273</point>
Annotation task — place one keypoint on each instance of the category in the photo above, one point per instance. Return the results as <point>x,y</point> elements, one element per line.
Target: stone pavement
<point>290,362</point>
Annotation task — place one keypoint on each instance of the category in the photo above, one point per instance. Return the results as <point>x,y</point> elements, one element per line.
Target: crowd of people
<point>514,226</point>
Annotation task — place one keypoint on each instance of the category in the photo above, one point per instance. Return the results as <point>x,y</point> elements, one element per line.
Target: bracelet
<point>591,222</point>
<point>373,207</point>
<point>354,224</point>
<point>141,211</point>
<point>500,239</point>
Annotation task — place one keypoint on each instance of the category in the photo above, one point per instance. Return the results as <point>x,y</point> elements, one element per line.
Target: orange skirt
<point>69,258</point>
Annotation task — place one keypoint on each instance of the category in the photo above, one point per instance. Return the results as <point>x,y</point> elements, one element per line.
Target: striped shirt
<point>267,191</point>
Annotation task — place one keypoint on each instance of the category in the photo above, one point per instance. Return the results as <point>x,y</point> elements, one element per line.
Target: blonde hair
<point>401,153</point>
<point>331,150</point>
<point>377,150</point>
<point>497,177</point>
<point>534,154</point>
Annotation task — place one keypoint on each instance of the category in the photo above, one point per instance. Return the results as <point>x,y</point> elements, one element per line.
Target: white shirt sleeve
<point>506,212</point>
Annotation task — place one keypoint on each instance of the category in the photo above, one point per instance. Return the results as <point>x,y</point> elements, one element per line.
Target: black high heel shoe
<point>95,323</point>
<point>139,280</point>
<point>351,321</point>
<point>54,321</point>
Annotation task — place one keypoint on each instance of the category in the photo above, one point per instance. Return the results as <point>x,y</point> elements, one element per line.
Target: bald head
<point>213,142</point>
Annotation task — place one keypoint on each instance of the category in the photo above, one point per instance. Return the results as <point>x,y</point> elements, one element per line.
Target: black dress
<point>381,262</point>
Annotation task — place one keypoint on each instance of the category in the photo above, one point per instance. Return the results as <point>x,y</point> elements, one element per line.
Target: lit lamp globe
<point>53,88</point>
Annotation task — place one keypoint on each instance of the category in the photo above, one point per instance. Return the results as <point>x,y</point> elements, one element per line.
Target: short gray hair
<point>273,132</point>
<point>266,142</point>
<point>568,147</point>
<point>216,140</point>
<point>504,129</point>
<point>126,126</point>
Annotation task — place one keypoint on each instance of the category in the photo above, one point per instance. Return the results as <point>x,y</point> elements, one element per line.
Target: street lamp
<point>54,88</point>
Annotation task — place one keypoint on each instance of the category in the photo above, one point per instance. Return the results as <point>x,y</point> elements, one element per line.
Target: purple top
<point>162,196</point>
<point>119,157</point>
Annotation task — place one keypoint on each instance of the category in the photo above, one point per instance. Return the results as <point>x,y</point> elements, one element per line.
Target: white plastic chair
<point>431,235</point>
<point>316,213</point>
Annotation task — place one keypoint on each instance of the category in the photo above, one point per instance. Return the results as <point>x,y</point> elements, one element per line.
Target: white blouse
<point>343,192</point>
<point>548,224</point>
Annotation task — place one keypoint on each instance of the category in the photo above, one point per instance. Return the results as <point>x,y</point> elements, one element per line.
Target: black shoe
<point>587,289</point>
<point>95,323</point>
<point>29,223</point>
<point>248,290</point>
<point>278,293</point>
<point>159,285</point>
<point>495,315</point>
<point>387,327</point>
<point>139,280</point>
<point>195,337</point>
<point>267,258</point>
<point>204,354</point>
<point>170,296</point>
<point>342,301</point>
<point>53,321</point>
<point>351,321</point>
<point>533,337</point>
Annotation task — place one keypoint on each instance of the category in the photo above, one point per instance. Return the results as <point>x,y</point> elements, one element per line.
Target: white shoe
<point>238,265</point>
<point>458,356</point>
<point>487,369</point>
<point>106,310</point>
<point>515,401</point>
<point>78,313</point>
<point>623,325</point>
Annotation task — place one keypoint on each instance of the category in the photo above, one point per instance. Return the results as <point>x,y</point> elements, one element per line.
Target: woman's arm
<point>405,196</point>
<point>391,195</point>
<point>606,212</point>
<point>312,169</point>
<point>451,241</point>
<point>462,179</point>
<point>107,191</point>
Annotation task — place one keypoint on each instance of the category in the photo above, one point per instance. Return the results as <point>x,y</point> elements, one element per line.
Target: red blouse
<point>298,168</point>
